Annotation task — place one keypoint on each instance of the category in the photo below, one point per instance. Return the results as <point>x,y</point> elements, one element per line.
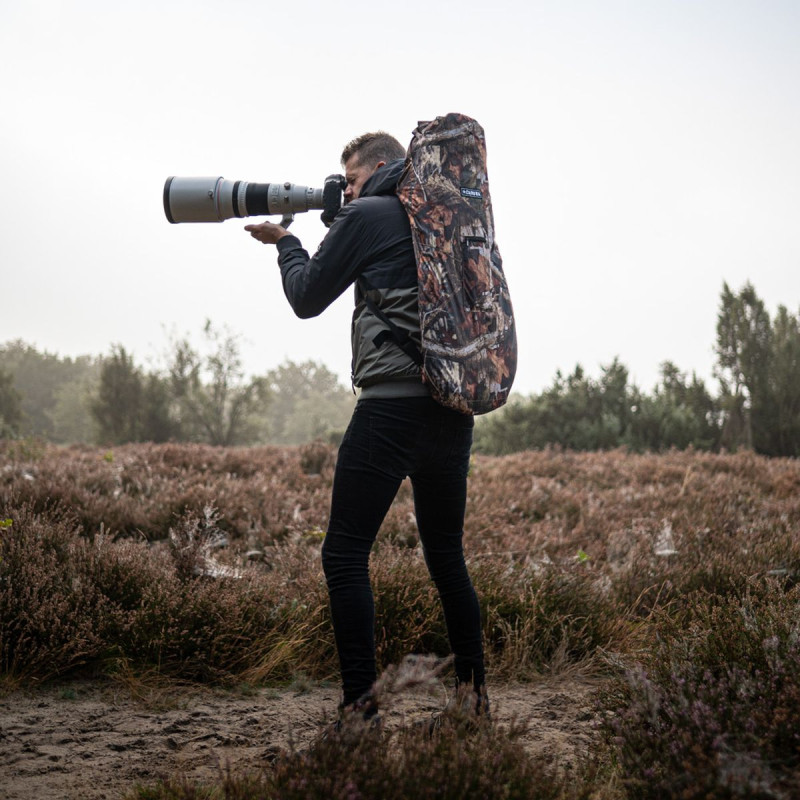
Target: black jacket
<point>369,244</point>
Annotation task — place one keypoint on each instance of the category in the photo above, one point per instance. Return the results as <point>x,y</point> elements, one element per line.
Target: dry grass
<point>675,575</point>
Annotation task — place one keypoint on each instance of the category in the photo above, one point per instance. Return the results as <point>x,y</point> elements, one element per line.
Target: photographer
<point>397,429</point>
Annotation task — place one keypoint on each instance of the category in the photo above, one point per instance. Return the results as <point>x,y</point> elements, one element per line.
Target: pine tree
<point>744,353</point>
<point>117,407</point>
<point>785,384</point>
<point>10,407</point>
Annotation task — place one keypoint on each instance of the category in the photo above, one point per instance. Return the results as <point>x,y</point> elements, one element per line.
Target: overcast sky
<point>640,154</point>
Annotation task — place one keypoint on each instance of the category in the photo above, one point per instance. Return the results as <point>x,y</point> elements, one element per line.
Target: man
<point>397,429</point>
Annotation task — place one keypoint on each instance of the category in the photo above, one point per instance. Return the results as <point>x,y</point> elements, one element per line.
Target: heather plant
<point>456,764</point>
<point>453,764</point>
<point>569,552</point>
<point>714,710</point>
<point>543,619</point>
<point>191,543</point>
<point>48,613</point>
<point>198,563</point>
<point>532,622</point>
<point>464,757</point>
<point>315,457</point>
<point>298,637</point>
<point>408,615</point>
<point>144,489</point>
<point>125,602</point>
<point>527,505</point>
<point>67,603</point>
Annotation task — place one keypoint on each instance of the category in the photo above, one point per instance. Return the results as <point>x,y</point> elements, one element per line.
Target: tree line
<point>203,395</point>
<point>756,407</point>
<point>199,394</point>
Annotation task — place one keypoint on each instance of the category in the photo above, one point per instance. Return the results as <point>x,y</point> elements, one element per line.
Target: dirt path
<point>93,741</point>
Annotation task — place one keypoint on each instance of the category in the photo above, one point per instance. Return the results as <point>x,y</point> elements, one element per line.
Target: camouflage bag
<point>469,345</point>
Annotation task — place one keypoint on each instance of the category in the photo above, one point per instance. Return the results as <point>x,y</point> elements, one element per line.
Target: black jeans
<point>387,440</point>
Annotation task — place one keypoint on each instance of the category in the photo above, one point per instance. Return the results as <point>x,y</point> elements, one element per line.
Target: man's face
<point>356,175</point>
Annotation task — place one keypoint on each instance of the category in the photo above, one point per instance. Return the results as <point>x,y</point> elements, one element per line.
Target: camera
<point>215,199</point>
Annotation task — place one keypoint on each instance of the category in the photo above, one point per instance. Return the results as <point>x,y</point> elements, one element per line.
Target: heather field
<point>648,604</point>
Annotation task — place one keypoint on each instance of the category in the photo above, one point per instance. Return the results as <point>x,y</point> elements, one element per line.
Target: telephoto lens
<point>214,199</point>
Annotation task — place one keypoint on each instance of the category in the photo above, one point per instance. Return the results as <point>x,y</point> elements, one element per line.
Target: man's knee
<point>343,557</point>
<point>330,557</point>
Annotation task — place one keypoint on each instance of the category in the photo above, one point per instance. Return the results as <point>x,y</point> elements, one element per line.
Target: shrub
<point>465,757</point>
<point>67,603</point>
<point>49,613</point>
<point>538,620</point>
<point>715,710</point>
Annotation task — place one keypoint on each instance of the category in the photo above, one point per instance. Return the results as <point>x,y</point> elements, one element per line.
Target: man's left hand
<point>267,232</point>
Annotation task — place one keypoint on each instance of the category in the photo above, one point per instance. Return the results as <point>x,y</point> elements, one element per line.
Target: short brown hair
<point>372,148</point>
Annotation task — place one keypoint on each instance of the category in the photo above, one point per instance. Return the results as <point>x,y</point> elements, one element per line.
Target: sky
<point>640,154</point>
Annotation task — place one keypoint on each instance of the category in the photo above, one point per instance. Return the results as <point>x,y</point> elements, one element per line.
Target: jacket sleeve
<point>312,284</point>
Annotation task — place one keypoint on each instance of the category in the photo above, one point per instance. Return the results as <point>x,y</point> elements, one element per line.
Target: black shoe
<point>468,709</point>
<point>355,720</point>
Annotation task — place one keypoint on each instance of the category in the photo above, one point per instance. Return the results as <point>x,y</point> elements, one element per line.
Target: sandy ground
<point>87,741</point>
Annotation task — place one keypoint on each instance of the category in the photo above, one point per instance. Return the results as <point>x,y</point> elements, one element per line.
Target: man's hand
<point>267,232</point>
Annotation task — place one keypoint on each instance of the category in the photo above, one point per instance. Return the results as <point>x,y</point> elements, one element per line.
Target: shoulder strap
<point>400,337</point>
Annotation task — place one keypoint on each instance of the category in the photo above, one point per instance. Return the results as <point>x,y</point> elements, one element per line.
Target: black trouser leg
<point>362,494</point>
<point>386,441</point>
<point>439,506</point>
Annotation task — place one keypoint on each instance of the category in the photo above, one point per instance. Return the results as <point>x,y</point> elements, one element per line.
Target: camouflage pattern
<point>468,335</point>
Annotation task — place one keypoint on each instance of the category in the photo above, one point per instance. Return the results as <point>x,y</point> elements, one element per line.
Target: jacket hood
<point>384,180</point>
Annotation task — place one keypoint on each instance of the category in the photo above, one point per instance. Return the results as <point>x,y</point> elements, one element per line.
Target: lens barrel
<point>214,199</point>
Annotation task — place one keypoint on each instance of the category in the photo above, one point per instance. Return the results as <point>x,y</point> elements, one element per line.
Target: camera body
<point>215,199</point>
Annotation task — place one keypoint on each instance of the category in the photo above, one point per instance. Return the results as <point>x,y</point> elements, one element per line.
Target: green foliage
<point>117,407</point>
<point>743,351</point>
<point>307,402</point>
<point>203,396</point>
<point>678,414</point>
<point>49,387</point>
<point>10,407</point>
<point>581,413</point>
<point>215,403</point>
<point>758,368</point>
<point>158,423</point>
<point>576,412</point>
<point>71,413</point>
<point>784,385</point>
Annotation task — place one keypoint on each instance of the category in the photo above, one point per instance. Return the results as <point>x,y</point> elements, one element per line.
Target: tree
<point>307,402</point>
<point>215,403</point>
<point>71,414</point>
<point>677,414</point>
<point>39,378</point>
<point>510,429</point>
<point>743,351</point>
<point>785,384</point>
<point>577,412</point>
<point>117,407</point>
<point>157,420</point>
<point>10,407</point>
